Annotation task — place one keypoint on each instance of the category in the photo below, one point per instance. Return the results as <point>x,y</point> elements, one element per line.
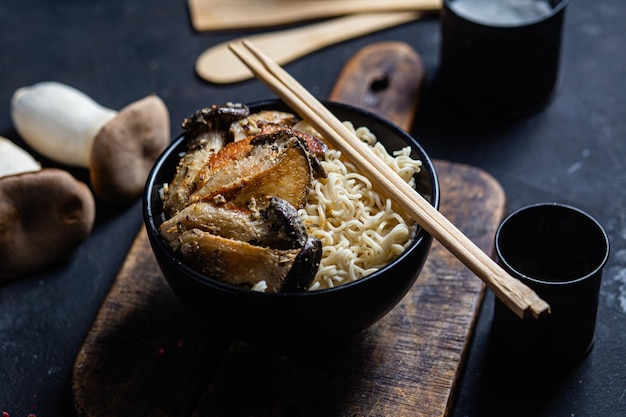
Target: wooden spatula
<point>234,14</point>
<point>218,64</point>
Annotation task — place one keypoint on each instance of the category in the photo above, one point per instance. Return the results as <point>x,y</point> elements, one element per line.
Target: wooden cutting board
<point>148,355</point>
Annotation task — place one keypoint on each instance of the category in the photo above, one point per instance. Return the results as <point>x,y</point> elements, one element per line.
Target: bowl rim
<point>154,237</point>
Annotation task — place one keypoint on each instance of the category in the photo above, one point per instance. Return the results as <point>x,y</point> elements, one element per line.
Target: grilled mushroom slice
<point>285,225</point>
<point>253,124</point>
<point>315,147</point>
<point>244,265</point>
<point>304,267</point>
<point>278,226</point>
<point>208,127</point>
<point>278,165</point>
<point>243,248</point>
<point>268,122</point>
<point>207,132</point>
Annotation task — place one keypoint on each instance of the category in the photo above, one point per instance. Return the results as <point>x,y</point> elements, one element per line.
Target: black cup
<point>558,251</point>
<point>498,69</point>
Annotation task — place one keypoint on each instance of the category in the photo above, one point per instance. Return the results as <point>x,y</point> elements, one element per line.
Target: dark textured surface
<point>573,152</point>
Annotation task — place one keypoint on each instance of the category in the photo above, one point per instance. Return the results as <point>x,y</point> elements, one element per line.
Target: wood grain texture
<point>147,355</point>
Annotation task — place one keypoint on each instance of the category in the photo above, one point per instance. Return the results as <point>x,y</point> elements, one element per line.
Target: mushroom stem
<point>15,160</point>
<point>58,121</point>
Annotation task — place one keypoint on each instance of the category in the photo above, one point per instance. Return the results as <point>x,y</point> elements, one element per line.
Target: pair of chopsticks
<point>514,294</point>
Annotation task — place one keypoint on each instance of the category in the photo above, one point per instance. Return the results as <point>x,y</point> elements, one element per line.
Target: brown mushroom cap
<point>44,216</point>
<point>125,149</point>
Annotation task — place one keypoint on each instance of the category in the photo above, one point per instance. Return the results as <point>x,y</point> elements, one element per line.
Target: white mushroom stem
<point>15,160</point>
<point>59,121</point>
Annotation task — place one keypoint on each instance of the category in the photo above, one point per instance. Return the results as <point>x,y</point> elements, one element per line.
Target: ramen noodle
<point>360,230</point>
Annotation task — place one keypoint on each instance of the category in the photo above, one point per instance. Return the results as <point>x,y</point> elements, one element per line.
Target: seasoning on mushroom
<point>67,126</point>
<point>44,213</point>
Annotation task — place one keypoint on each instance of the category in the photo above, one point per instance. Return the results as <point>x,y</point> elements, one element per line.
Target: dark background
<point>573,152</point>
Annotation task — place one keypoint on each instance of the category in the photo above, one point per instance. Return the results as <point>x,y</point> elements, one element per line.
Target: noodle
<point>360,230</point>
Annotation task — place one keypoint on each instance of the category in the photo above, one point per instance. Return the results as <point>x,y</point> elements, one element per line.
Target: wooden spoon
<point>219,65</point>
<point>234,14</point>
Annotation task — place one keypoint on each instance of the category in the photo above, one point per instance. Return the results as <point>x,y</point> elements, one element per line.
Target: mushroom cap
<point>126,148</point>
<point>44,216</point>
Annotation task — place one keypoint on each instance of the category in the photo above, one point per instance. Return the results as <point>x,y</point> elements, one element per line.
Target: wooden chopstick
<point>518,297</point>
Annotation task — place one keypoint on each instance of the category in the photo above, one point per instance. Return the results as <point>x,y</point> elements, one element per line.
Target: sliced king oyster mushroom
<point>242,248</point>
<point>244,265</point>
<point>207,133</point>
<point>278,165</point>
<point>235,197</point>
<point>252,125</point>
<point>314,144</point>
<point>315,147</point>
<point>304,267</point>
<point>278,226</point>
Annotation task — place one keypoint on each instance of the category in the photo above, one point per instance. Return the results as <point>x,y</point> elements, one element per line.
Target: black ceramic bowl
<point>295,322</point>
